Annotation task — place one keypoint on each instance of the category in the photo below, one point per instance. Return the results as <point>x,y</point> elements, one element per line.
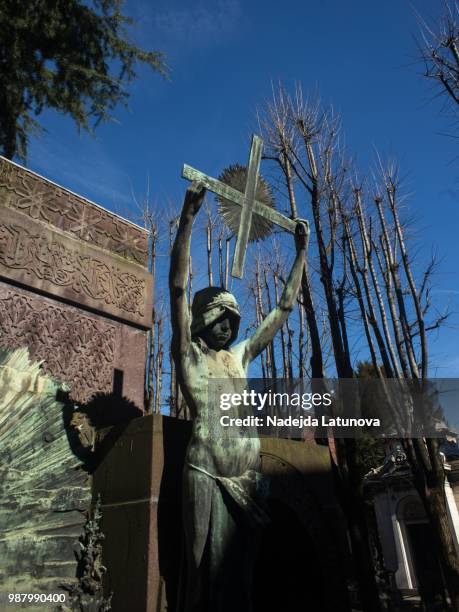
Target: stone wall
<point>76,289</point>
<point>75,307</point>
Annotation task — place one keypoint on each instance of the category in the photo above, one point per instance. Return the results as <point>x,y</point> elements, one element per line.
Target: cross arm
<point>225,191</point>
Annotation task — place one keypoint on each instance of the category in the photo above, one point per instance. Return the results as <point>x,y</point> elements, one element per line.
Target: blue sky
<point>224,56</point>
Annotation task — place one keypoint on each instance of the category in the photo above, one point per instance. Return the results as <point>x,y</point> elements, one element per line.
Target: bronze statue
<point>220,481</point>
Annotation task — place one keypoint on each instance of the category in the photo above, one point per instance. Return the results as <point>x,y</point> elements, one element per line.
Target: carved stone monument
<point>75,304</point>
<point>74,286</point>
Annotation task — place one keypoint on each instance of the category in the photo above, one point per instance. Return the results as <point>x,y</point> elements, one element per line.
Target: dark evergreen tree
<point>69,55</point>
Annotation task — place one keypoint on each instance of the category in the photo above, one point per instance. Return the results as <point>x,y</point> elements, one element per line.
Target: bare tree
<point>285,368</point>
<point>209,232</point>
<point>151,223</point>
<point>365,274</point>
<point>304,145</point>
<point>413,306</point>
<point>159,358</point>
<point>439,51</point>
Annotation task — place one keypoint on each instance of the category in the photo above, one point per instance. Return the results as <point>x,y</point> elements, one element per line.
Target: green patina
<point>44,492</point>
<point>222,486</point>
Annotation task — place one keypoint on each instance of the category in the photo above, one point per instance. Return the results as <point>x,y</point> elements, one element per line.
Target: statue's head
<point>216,317</point>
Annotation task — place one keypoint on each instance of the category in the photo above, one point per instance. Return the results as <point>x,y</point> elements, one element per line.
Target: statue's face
<point>217,335</point>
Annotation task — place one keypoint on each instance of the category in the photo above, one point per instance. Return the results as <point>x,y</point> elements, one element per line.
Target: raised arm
<point>179,270</point>
<point>276,318</point>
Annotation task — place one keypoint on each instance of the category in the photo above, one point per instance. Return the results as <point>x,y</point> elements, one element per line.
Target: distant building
<point>405,537</point>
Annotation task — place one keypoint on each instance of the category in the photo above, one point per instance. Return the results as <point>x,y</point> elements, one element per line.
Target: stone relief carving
<point>76,348</point>
<point>55,262</point>
<point>51,204</point>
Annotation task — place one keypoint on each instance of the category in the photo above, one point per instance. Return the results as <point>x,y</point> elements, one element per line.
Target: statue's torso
<point>223,451</point>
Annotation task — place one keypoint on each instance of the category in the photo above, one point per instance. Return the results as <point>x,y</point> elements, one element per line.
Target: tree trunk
<point>282,331</point>
<point>270,307</point>
<point>159,367</point>
<point>220,261</point>
<point>209,253</point>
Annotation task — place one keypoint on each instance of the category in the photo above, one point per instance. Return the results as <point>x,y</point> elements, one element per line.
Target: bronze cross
<point>246,200</point>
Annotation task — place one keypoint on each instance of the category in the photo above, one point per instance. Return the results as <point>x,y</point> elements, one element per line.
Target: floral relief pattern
<point>46,202</point>
<point>52,261</point>
<point>75,348</point>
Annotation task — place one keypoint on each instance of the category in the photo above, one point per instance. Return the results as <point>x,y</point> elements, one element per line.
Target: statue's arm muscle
<point>179,270</point>
<point>276,318</point>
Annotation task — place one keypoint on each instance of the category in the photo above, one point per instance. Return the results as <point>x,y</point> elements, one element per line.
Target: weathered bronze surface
<point>236,176</point>
<point>246,200</point>
<point>220,533</point>
<point>249,198</point>
<point>225,191</point>
<point>44,491</point>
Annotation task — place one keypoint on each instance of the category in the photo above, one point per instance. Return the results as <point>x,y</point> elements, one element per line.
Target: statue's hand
<point>194,197</point>
<point>301,234</point>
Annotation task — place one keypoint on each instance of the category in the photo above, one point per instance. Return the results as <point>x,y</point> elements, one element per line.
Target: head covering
<point>209,305</point>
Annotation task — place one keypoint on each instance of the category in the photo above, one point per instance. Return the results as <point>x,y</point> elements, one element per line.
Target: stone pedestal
<point>139,481</point>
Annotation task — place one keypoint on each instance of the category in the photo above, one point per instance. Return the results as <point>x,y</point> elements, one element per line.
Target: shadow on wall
<point>176,433</point>
<point>288,569</point>
<point>93,428</point>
